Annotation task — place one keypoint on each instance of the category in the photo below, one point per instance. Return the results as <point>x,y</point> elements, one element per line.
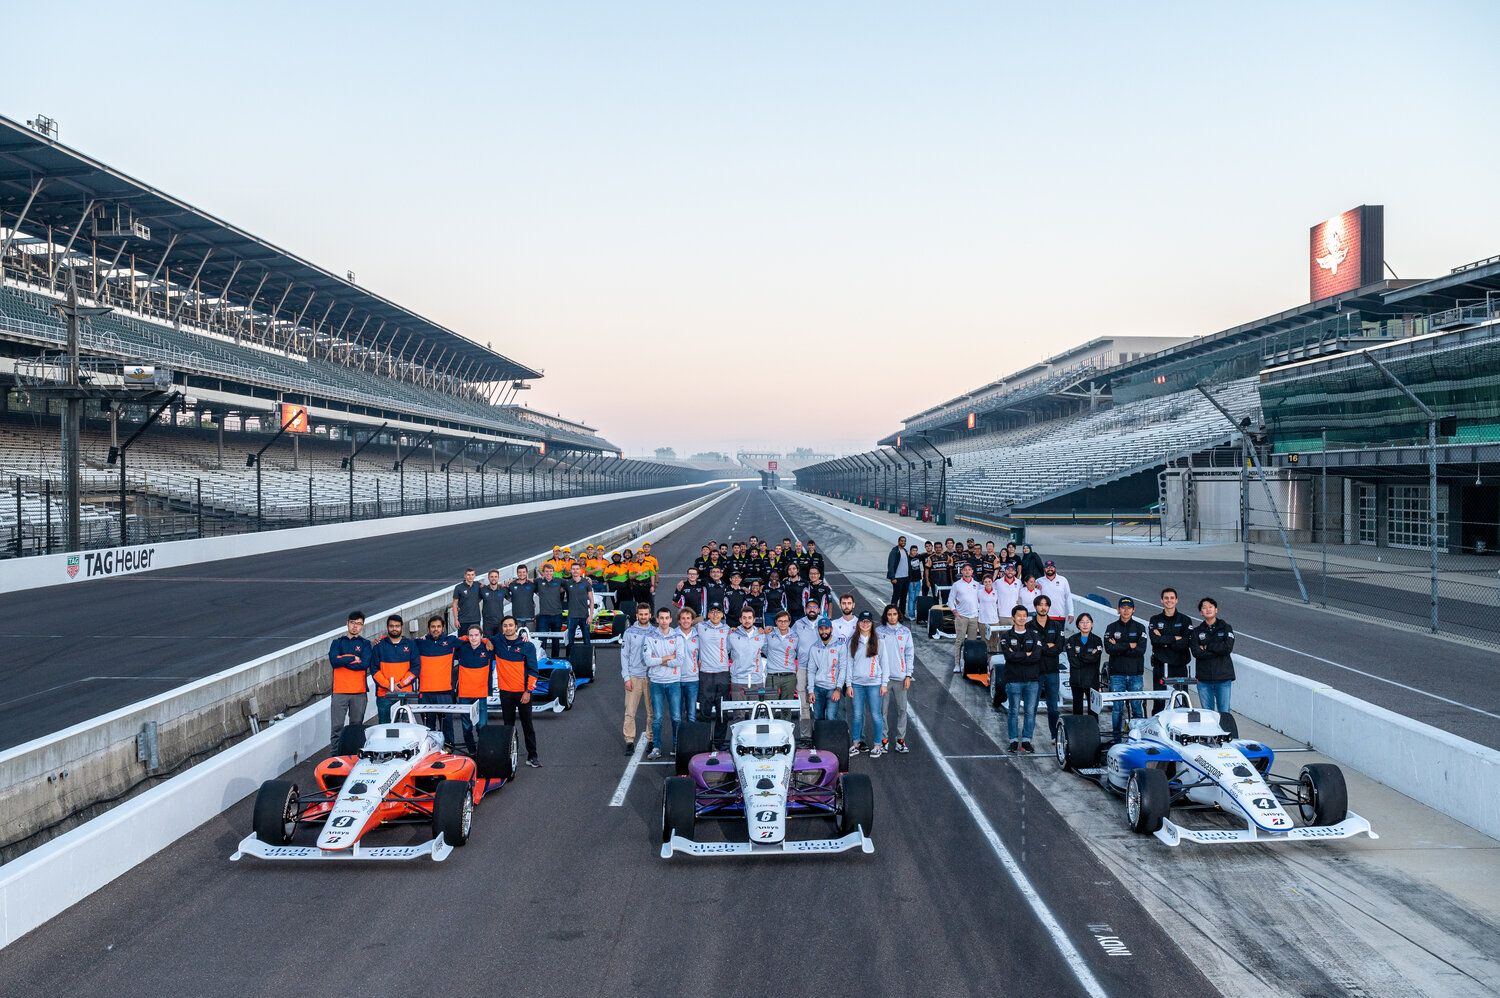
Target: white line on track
<point>618,800</point>
<point>783,517</point>
<point>1070,954</point>
<point>997,756</point>
<point>1340,665</point>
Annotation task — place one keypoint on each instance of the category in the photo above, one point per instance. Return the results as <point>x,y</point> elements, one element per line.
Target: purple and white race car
<point>763,779</point>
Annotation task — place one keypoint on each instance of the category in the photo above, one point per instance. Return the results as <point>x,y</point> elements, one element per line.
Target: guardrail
<point>43,882</point>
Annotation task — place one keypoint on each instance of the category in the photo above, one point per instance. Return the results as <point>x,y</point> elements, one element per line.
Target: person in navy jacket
<point>349,657</point>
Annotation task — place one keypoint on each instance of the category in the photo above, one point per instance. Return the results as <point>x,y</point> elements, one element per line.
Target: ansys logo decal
<point>1337,251</point>
<point>72,566</point>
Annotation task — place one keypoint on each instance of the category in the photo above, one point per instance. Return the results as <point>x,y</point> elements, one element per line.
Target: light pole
<point>348,462</point>
<point>119,453</point>
<point>400,466</point>
<point>254,461</point>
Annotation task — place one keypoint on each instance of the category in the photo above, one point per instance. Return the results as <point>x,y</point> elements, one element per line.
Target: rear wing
<point>1098,699</point>
<point>413,711</point>
<point>752,704</point>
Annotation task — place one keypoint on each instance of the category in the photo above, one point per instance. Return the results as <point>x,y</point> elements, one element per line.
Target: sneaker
<point>534,762</point>
<point>1013,747</point>
<point>854,749</point>
<point>630,748</point>
<point>957,668</point>
<point>1026,747</point>
<point>654,754</point>
<point>877,752</point>
<point>901,746</point>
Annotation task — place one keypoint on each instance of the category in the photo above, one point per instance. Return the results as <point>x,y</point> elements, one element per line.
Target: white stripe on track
<point>784,520</point>
<point>1340,665</point>
<point>1069,952</point>
<point>618,800</point>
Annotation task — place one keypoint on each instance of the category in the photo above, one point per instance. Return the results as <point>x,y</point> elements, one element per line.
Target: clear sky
<point>780,224</point>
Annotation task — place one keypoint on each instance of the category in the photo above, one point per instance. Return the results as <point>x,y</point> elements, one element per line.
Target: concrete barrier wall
<point>1450,774</point>
<point>60,873</point>
<point>86,566</point>
<point>67,773</point>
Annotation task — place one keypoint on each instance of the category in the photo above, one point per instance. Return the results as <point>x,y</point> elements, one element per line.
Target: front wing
<point>800,847</point>
<point>1174,834</point>
<point>437,849</point>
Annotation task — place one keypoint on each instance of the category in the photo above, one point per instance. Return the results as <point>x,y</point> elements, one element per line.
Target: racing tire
<point>859,804</point>
<point>581,657</point>
<point>833,736</point>
<point>617,625</point>
<point>351,739</point>
<point>1322,795</point>
<point>562,686</point>
<point>276,807</point>
<point>693,738</point>
<point>679,806</point>
<point>495,756</point>
<point>453,811</point>
<point>1078,742</point>
<point>924,603</point>
<point>976,657</point>
<point>1147,800</point>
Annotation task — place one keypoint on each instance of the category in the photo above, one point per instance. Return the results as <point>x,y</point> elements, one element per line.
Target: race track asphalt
<point>558,893</point>
<point>80,650</point>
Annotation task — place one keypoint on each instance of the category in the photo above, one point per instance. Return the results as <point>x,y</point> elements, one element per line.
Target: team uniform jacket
<point>734,602</point>
<point>350,659</point>
<point>825,665</point>
<point>1213,647</point>
<point>522,599</point>
<point>819,593</point>
<point>435,663</point>
<point>717,595</point>
<point>897,648</point>
<point>1124,660</point>
<point>746,667</point>
<point>632,663</point>
<point>475,668</point>
<point>687,655</point>
<point>395,666</point>
<point>1023,655</point>
<point>866,670</point>
<point>657,646</point>
<point>1171,643</point>
<point>807,635</point>
<point>515,665</point>
<point>713,647</point>
<point>549,598</point>
<point>775,602</point>
<point>1085,652</point>
<point>1050,630</point>
<point>692,596</point>
<point>781,651</point>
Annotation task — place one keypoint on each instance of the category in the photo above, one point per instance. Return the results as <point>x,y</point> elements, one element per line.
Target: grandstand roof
<point>70,180</point>
<point>1471,282</point>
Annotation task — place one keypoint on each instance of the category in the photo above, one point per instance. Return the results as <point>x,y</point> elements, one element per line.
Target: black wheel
<point>276,808</point>
<point>833,736</point>
<point>351,739</point>
<point>679,805</point>
<point>617,625</point>
<point>496,755</point>
<point>562,686</point>
<point>693,738</point>
<point>1147,798</point>
<point>453,811</point>
<point>976,657</point>
<point>1230,725</point>
<point>859,804</point>
<point>1322,795</point>
<point>1078,742</point>
<point>924,603</point>
<point>581,656</point>
<point>932,623</point>
<point>627,610</point>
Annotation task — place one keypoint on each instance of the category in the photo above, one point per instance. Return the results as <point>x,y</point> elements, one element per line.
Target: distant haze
<point>774,225</point>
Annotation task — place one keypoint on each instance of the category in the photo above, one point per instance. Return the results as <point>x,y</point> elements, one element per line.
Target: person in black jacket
<point>1085,651</point>
<point>1031,563</point>
<point>1170,632</point>
<point>1050,690</point>
<point>1213,647</point>
<point>814,559</point>
<point>692,593</point>
<point>1022,647</point>
<point>1125,641</point>
<point>898,572</point>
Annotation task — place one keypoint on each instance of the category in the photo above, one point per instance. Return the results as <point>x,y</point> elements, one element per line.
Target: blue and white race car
<point>1185,758</point>
<point>558,679</point>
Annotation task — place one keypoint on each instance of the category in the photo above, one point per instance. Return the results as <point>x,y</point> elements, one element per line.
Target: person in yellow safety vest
<point>650,569</point>
<point>616,575</point>
<point>641,575</point>
<point>594,566</point>
<point>632,569</point>
<point>561,560</point>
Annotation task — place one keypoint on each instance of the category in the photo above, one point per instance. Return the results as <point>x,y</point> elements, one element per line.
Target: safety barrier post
<point>19,520</point>
<point>47,543</point>
<point>198,504</point>
<point>309,498</point>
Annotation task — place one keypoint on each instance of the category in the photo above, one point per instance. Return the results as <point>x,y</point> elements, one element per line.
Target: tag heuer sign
<point>72,566</point>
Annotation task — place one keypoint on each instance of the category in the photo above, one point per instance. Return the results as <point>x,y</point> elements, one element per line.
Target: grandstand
<point>235,329</point>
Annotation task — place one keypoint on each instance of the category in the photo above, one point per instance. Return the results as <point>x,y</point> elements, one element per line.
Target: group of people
<point>774,625</point>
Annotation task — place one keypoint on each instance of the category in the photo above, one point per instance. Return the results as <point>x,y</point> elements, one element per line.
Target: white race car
<point>1187,758</point>
<point>763,779</point>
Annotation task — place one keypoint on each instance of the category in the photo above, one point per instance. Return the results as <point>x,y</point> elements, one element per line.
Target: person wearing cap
<point>825,671</point>
<point>701,562</point>
<point>594,565</point>
<point>1085,651</point>
<point>634,671</point>
<point>867,685</point>
<point>713,667</point>
<point>963,600</point>
<point>1125,643</point>
<point>1213,647</point>
<point>1171,645</point>
<point>1050,630</point>
<point>897,649</point>
<point>650,570</point>
<point>1058,592</point>
<point>558,562</point>
<point>616,576</point>
<point>1020,679</point>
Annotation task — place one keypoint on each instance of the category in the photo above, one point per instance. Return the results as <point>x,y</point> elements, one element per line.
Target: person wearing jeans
<point>1050,630</point>
<point>898,571</point>
<point>867,685</point>
<point>1212,645</point>
<point>900,660</point>
<point>687,663</point>
<point>1021,674</point>
<point>825,672</point>
<point>1125,641</point>
<point>660,652</point>
<point>913,581</point>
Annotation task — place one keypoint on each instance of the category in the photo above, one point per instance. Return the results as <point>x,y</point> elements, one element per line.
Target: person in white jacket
<point>1009,587</point>
<point>866,685</point>
<point>806,629</point>
<point>659,650</point>
<point>825,672</point>
<point>899,654</point>
<point>687,662</point>
<point>781,657</point>
<point>713,666</point>
<point>633,671</point>
<point>989,607</point>
<point>747,669</point>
